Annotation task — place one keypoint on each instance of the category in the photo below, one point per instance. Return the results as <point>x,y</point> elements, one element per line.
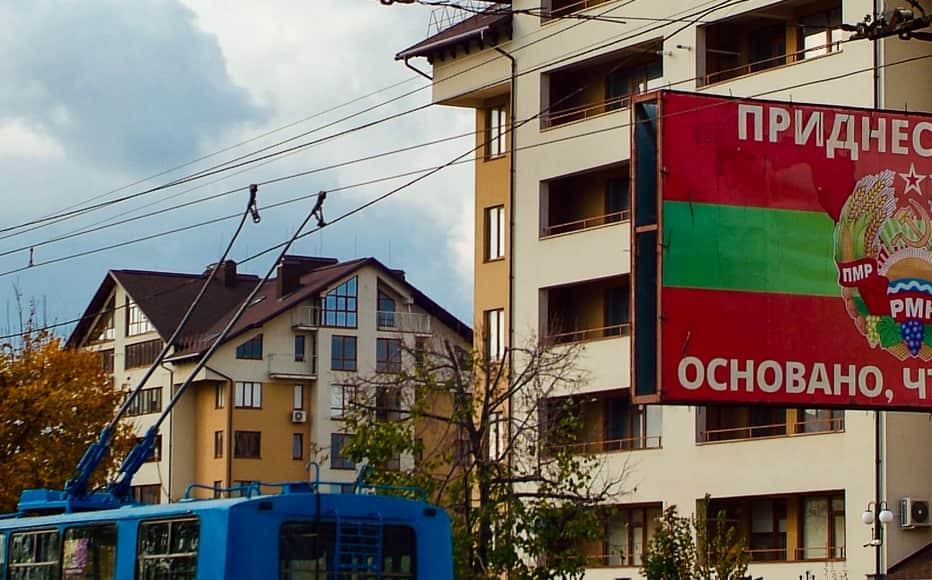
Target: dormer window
<point>136,321</point>
<point>251,349</point>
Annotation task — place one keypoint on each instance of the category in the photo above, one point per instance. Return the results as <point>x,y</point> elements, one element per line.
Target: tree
<point>494,448</point>
<point>695,548</point>
<point>53,403</point>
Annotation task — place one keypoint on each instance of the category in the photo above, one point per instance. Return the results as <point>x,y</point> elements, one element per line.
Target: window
<point>768,529</point>
<point>251,349</point>
<point>218,444</point>
<point>248,396</point>
<point>338,307</point>
<point>494,334</point>
<point>156,453</point>
<point>388,404</point>
<point>819,420</point>
<point>218,488</point>
<point>337,459</point>
<point>104,328</point>
<point>342,399</point>
<point>298,402</point>
<point>823,527</point>
<point>300,347</point>
<point>106,360</point>
<point>145,402</point>
<point>219,395</point>
<point>820,33</point>
<point>617,200</point>
<point>617,302</point>
<point>307,551</point>
<point>495,232</point>
<point>731,423</point>
<point>343,353</point>
<point>136,321</point>
<point>147,494</point>
<point>388,355</point>
<point>497,434</point>
<point>168,549</point>
<point>141,354</point>
<point>297,446</point>
<point>247,444</point>
<point>34,555</point>
<point>89,552</point>
<point>496,129</point>
<point>631,80</point>
<point>385,311</point>
<point>626,532</point>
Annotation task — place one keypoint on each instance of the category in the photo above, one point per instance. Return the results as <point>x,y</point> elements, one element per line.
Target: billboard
<point>782,254</point>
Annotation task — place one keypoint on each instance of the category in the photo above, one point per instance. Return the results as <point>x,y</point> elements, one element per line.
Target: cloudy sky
<point>100,94</point>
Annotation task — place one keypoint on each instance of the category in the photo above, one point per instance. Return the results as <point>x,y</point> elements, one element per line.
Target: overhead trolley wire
<point>431,170</point>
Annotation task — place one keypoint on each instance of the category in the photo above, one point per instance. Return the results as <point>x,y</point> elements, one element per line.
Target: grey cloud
<point>125,86</point>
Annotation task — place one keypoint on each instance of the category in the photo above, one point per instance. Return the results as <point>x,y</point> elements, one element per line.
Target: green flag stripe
<point>729,247</point>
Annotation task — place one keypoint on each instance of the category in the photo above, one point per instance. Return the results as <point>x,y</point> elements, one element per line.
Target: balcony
<point>586,311</point>
<point>775,36</point>
<point>721,424</point>
<point>600,85</point>
<point>557,8</point>
<point>584,201</point>
<point>607,423</point>
<point>414,322</point>
<point>284,366</point>
<point>305,318</point>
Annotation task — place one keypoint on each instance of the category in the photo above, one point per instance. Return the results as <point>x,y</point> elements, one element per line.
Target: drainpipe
<point>879,491</point>
<point>171,431</point>
<point>417,70</point>
<point>228,427</point>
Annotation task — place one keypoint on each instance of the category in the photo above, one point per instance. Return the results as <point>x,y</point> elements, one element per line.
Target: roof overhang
<point>486,29</point>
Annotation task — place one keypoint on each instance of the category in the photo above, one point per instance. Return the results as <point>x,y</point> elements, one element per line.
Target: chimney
<point>226,273</point>
<point>291,268</point>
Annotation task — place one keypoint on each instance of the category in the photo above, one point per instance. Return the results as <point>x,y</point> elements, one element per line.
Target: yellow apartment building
<point>550,82</point>
<point>270,400</point>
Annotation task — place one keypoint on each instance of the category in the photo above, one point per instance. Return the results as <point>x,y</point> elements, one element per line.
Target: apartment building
<point>553,255</point>
<point>269,402</point>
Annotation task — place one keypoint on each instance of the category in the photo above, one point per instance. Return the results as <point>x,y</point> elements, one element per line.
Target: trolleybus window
<point>307,552</point>
<point>168,550</point>
<point>34,555</point>
<point>89,553</point>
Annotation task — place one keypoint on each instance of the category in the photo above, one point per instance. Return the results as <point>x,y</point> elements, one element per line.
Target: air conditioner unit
<point>914,513</point>
<point>298,416</point>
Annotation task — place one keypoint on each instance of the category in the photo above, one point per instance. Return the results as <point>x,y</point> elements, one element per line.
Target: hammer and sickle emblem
<point>916,221</point>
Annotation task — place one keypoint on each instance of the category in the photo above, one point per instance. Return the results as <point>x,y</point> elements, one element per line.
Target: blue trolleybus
<point>299,533</point>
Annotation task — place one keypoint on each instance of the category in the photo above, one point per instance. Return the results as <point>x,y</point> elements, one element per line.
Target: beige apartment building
<point>270,400</point>
<point>553,258</point>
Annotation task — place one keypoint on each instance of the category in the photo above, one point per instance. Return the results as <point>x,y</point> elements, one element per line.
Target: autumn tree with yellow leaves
<point>53,403</point>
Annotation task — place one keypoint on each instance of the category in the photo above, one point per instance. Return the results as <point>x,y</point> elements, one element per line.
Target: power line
<point>426,172</point>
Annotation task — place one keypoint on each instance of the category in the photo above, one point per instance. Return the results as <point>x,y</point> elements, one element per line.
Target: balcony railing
<point>726,74</point>
<point>285,366</point>
<point>614,445</point>
<point>305,317</point>
<point>582,112</point>
<point>589,334</point>
<point>617,560</point>
<point>416,322</point>
<point>745,433</point>
<point>585,224</point>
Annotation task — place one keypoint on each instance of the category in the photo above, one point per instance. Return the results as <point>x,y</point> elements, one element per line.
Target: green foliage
<point>521,500</point>
<point>686,548</point>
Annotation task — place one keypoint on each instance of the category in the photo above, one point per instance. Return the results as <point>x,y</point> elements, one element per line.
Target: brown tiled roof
<point>494,21</point>
<point>165,296</point>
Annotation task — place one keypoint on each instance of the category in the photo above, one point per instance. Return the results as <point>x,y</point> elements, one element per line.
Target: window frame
<point>218,444</point>
<point>141,354</point>
<point>55,565</point>
<point>298,397</point>
<point>386,309</point>
<point>496,131</point>
<point>250,349</point>
<point>300,352</point>
<point>338,412</point>
<point>92,526</point>
<point>391,348</point>
<point>141,557</point>
<point>241,401</point>
<point>220,393</point>
<point>494,233</point>
<point>494,349</point>
<point>239,453</point>
<point>337,459</point>
<point>343,362</point>
<point>144,401</point>
<point>137,322</point>
<point>297,446</point>
<point>341,302</point>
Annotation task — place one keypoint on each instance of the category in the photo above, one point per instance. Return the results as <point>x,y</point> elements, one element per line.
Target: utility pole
<point>905,23</point>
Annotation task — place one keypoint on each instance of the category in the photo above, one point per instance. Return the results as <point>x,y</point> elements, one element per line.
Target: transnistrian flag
<point>796,254</point>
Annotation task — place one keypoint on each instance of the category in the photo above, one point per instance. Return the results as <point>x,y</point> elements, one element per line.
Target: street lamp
<point>877,515</point>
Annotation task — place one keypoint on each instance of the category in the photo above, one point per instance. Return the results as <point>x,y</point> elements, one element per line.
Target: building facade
<point>551,84</point>
<point>268,405</point>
